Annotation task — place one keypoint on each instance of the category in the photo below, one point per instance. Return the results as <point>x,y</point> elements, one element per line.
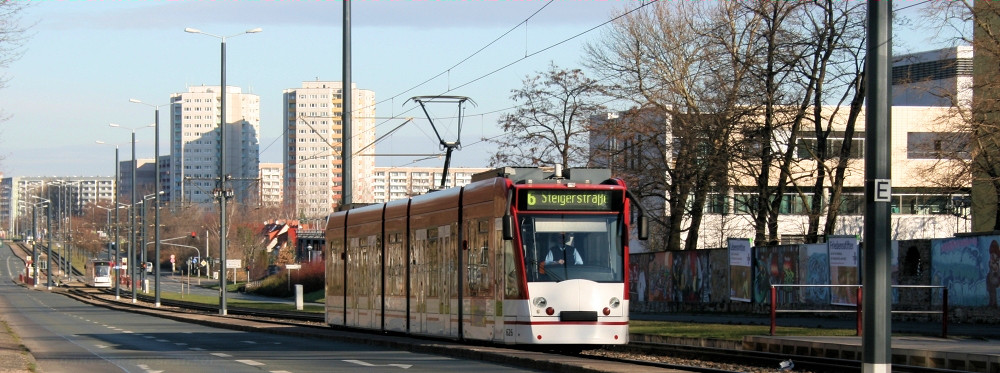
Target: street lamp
<point>221,191</point>
<point>142,254</point>
<point>131,245</point>
<point>118,272</point>
<point>66,208</point>
<point>157,192</point>
<point>34,232</point>
<point>48,245</point>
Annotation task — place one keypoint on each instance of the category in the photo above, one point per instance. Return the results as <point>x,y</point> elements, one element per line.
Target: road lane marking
<point>367,364</point>
<point>219,354</point>
<point>251,362</point>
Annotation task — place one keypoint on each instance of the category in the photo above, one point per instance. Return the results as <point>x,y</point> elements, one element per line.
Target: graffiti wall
<point>702,279</point>
<point>815,270</point>
<point>682,276</point>
<point>969,267</point>
<point>776,265</point>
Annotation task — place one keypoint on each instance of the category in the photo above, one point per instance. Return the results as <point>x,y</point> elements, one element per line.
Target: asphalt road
<point>65,335</point>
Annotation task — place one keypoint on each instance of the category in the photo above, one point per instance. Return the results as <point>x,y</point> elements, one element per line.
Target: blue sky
<point>87,58</point>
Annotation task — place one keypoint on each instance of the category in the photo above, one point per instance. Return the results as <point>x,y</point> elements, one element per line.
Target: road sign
<point>883,190</point>
<point>234,263</point>
<point>172,259</point>
<point>293,266</point>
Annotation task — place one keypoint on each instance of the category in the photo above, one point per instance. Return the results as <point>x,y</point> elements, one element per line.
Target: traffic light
<point>194,234</point>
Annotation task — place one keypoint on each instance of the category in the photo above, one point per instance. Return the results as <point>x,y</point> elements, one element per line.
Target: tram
<point>98,273</point>
<point>474,262</point>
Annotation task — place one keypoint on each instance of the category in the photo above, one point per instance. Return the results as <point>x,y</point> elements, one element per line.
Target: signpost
<point>289,268</point>
<point>234,264</point>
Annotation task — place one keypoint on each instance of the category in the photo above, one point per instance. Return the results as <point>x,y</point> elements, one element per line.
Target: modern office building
<point>19,194</point>
<point>270,184</point>
<point>941,77</point>
<point>195,141</point>
<point>923,138</point>
<point>392,183</point>
<point>313,145</point>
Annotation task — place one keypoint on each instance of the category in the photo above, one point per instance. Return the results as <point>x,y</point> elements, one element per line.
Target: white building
<point>926,85</point>
<point>18,195</point>
<point>270,183</point>
<point>392,183</point>
<point>194,143</point>
<point>313,146</point>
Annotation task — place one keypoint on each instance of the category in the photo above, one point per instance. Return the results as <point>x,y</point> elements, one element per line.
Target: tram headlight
<point>614,302</point>
<point>539,302</point>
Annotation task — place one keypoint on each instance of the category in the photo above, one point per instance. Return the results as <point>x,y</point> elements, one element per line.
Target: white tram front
<point>98,273</point>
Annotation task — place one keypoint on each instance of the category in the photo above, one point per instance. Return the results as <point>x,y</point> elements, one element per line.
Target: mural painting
<point>815,267</point>
<point>969,267</point>
<point>639,276</point>
<point>776,265</point>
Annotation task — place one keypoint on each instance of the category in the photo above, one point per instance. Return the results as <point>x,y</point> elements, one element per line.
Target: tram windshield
<point>102,270</point>
<point>560,247</point>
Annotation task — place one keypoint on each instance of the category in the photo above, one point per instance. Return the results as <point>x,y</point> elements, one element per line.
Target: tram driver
<point>561,250</point>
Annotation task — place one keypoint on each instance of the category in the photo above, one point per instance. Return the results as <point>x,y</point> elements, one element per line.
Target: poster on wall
<point>844,252</point>
<point>740,269</point>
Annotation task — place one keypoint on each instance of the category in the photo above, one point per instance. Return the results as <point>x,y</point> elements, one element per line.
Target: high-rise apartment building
<point>144,181</point>
<point>195,142</point>
<point>312,150</point>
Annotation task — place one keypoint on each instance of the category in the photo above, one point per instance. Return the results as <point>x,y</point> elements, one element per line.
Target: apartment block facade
<point>392,183</point>
<point>195,141</point>
<point>271,184</point>
<point>73,193</point>
<point>313,147</point>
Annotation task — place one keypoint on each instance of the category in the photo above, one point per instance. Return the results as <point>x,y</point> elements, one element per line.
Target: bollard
<point>298,297</point>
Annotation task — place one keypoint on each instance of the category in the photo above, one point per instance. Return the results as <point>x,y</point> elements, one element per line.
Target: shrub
<point>312,277</point>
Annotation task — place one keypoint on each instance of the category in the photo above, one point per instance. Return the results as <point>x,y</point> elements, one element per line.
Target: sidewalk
<point>13,356</point>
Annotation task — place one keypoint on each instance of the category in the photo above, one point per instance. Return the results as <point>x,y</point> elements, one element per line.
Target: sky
<point>86,58</point>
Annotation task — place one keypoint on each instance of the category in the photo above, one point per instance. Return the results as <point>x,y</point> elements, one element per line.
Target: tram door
<point>419,272</point>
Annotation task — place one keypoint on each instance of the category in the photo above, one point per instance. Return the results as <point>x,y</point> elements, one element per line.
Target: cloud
<point>365,13</point>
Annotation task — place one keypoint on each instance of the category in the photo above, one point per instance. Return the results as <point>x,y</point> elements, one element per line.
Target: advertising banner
<point>844,252</point>
<point>740,269</point>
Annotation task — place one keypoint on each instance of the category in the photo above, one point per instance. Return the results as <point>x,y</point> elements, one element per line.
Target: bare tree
<point>550,124</point>
<point>737,84</point>
<point>979,125</point>
<point>13,35</point>
<point>679,65</point>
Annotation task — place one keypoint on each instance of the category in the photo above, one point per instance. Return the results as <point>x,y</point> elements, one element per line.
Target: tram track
<point>658,355</point>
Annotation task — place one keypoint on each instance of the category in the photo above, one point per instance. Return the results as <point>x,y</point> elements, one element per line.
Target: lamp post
<point>142,254</point>
<point>66,208</point>
<point>108,226</point>
<point>220,190</point>
<point>34,232</point>
<point>131,245</point>
<point>157,191</point>
<point>48,245</point>
<point>118,273</point>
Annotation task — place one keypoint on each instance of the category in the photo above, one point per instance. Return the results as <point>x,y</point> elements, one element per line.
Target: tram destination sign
<point>563,199</point>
